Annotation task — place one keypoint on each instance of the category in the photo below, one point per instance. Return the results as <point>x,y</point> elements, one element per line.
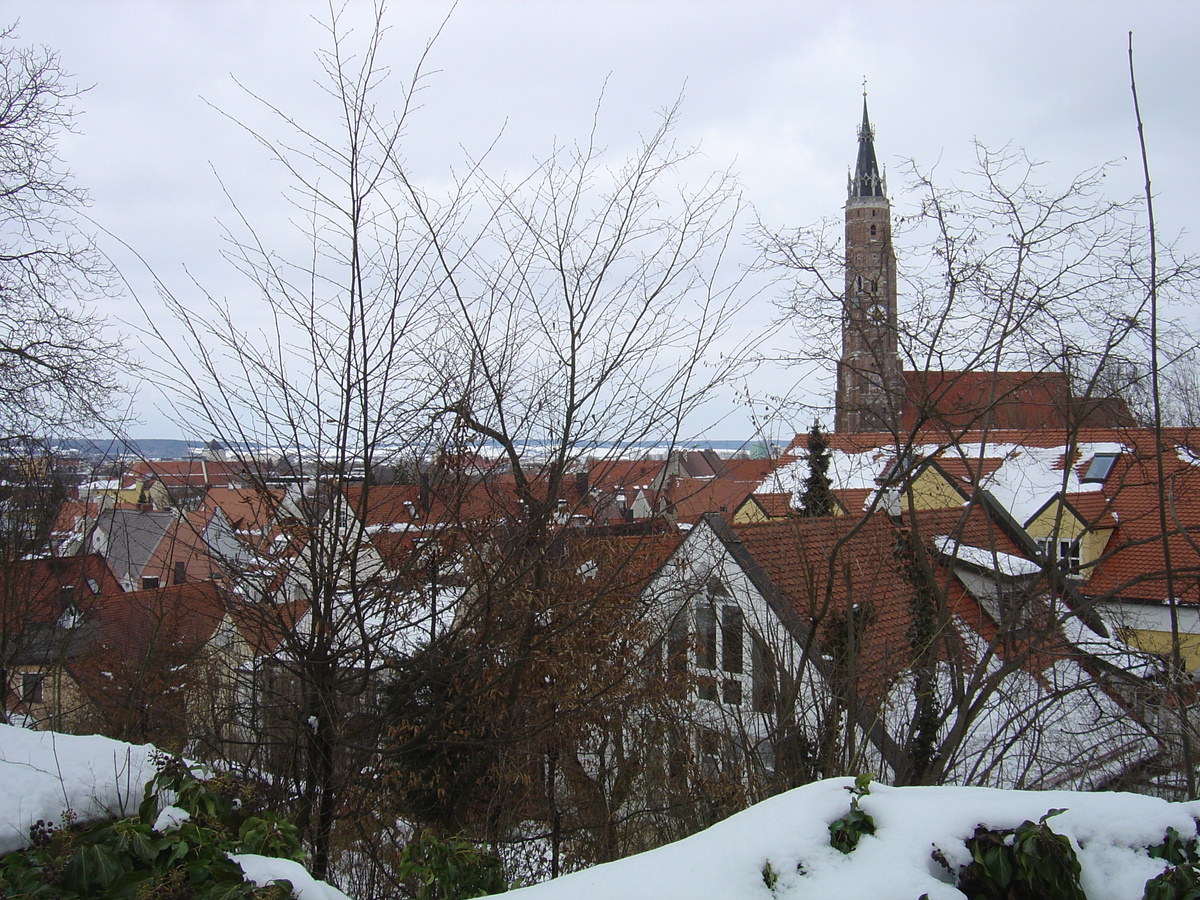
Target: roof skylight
<point>1099,467</point>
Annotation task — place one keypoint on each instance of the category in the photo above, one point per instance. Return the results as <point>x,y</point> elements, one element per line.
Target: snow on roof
<point>1187,456</point>
<point>1025,478</point>
<point>1032,475</point>
<point>990,560</point>
<point>1114,652</point>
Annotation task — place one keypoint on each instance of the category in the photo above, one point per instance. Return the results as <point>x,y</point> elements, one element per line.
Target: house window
<point>677,647</point>
<point>180,572</point>
<point>706,636</point>
<point>31,686</point>
<point>731,639</point>
<point>897,469</point>
<point>149,582</point>
<point>678,758</point>
<point>1099,467</point>
<point>708,745</point>
<point>1063,552</point>
<point>762,672</point>
<point>731,692</point>
<point>1014,608</point>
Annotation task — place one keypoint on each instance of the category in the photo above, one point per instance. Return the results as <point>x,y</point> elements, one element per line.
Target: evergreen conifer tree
<point>817,500</point>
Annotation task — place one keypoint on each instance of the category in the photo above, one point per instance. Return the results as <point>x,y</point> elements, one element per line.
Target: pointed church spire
<point>866,180</point>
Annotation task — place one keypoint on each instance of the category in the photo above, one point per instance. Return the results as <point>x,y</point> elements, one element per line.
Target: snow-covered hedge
<point>780,849</point>
<point>43,773</point>
<point>98,780</point>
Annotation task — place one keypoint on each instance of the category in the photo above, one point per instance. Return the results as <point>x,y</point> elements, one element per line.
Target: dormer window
<point>1099,468</point>
<point>897,469</point>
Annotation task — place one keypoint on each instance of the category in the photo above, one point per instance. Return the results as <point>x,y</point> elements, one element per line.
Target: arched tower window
<point>872,230</point>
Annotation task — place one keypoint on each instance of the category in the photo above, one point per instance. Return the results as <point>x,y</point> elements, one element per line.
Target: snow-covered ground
<point>41,773</point>
<point>1110,833</point>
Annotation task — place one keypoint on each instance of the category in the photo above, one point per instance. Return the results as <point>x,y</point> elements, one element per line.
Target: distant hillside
<point>147,448</point>
<point>162,448</point>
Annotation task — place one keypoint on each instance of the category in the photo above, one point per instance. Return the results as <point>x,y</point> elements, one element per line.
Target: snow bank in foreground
<point>42,773</point>
<point>1110,832</point>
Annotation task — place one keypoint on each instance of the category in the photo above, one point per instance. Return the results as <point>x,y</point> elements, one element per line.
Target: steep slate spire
<point>866,180</point>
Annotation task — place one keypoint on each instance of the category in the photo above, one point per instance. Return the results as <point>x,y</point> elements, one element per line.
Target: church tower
<point>870,381</point>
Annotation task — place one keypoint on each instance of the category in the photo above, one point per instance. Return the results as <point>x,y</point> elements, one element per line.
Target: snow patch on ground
<point>262,870</point>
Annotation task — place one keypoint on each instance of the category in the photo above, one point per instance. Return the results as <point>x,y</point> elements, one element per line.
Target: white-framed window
<point>1063,552</point>
<point>719,646</point>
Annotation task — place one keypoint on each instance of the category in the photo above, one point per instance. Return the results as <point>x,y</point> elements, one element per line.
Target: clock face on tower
<point>877,313</point>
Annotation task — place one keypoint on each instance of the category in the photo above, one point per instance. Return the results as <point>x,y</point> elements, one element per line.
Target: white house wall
<point>680,583</point>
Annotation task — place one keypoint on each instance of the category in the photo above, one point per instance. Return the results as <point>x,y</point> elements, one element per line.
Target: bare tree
<point>56,367</point>
<point>539,320</point>
<point>1027,311</point>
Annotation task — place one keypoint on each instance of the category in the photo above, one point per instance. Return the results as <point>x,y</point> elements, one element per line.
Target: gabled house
<point>986,685</point>
<point>1088,499</point>
<point>1072,531</point>
<point>160,667</point>
<point>179,482</point>
<point>764,506</point>
<point>147,549</point>
<point>46,607</point>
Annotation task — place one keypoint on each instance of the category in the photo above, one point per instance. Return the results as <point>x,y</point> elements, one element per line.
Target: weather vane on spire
<point>864,87</point>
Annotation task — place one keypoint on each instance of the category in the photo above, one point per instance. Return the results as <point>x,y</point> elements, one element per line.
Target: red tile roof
<point>247,509</point>
<point>691,498</point>
<point>186,473</point>
<point>178,620</point>
<point>776,505</point>
<point>825,566</point>
<point>616,475</point>
<point>986,399</point>
<point>35,590</point>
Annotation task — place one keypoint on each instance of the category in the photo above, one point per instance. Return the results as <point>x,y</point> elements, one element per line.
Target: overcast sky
<point>771,90</point>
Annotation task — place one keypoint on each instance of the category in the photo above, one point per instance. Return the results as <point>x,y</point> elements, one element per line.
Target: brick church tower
<point>870,381</point>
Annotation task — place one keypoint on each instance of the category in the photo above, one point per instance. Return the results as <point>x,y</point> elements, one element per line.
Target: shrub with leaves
<point>451,869</point>
<point>1181,879</point>
<point>1029,862</point>
<point>177,846</point>
<point>845,833</point>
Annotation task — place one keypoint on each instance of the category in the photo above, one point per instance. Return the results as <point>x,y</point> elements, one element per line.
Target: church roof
<point>867,180</point>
